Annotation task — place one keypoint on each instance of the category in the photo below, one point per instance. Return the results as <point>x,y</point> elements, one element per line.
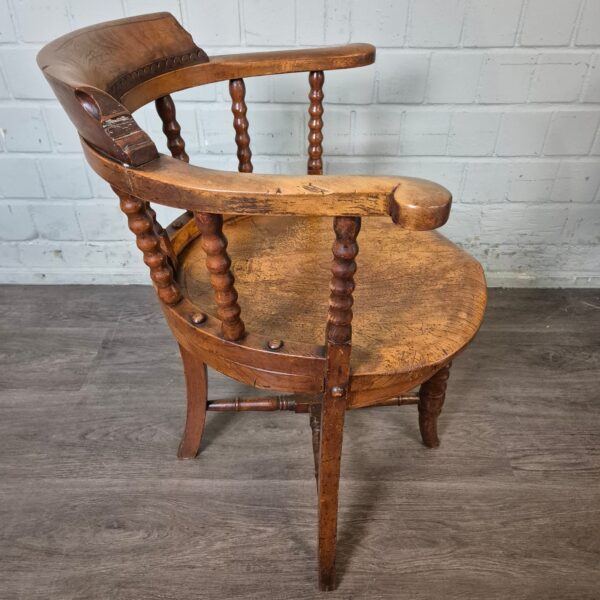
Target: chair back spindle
<point>165,107</point>
<point>315,123</point>
<point>213,240</point>
<point>218,263</point>
<point>141,222</point>
<point>237,90</point>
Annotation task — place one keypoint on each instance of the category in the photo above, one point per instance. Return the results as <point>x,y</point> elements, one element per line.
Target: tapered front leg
<point>196,389</point>
<point>315,426</point>
<point>328,483</point>
<point>431,399</point>
<point>337,379</point>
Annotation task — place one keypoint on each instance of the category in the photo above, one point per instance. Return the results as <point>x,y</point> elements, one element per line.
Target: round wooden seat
<point>419,299</point>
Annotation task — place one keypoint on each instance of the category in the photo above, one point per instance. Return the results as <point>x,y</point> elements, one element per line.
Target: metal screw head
<point>337,391</point>
<point>198,318</point>
<point>275,344</point>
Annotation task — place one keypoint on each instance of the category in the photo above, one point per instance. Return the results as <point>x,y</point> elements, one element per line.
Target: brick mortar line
<point>211,105</point>
<point>229,49</point>
<point>534,158</point>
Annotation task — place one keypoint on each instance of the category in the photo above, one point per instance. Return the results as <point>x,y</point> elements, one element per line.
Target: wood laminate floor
<point>94,504</point>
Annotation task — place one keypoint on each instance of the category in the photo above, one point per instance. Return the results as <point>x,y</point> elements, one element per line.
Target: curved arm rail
<point>251,64</point>
<point>412,203</point>
<point>102,73</point>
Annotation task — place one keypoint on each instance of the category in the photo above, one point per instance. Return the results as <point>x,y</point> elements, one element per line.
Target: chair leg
<point>431,399</point>
<point>196,389</point>
<point>315,426</point>
<point>328,481</point>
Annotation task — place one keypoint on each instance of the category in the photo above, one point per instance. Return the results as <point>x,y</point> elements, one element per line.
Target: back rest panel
<point>89,70</point>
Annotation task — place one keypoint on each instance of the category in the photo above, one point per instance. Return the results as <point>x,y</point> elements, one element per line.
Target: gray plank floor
<point>94,504</point>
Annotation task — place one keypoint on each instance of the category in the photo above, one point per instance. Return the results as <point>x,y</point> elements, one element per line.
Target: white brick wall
<point>496,99</point>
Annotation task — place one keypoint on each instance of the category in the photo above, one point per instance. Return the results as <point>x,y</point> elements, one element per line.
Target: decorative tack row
<point>125,82</point>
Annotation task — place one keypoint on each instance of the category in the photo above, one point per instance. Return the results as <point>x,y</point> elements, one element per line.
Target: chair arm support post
<point>141,222</point>
<point>218,263</point>
<point>165,107</point>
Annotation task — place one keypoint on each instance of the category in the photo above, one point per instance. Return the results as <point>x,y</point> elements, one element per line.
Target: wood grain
<point>432,394</point>
<point>89,69</point>
<point>412,203</point>
<point>196,385</point>
<point>445,295</point>
<point>250,64</point>
<point>93,502</point>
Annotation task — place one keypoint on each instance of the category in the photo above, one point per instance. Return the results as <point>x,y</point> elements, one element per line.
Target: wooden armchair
<point>419,299</point>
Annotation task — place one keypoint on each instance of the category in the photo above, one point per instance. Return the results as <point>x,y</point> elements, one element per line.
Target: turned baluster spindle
<point>141,223</point>
<point>270,403</point>
<point>315,123</point>
<point>345,249</point>
<point>165,242</point>
<point>218,263</point>
<point>237,90</point>
<point>171,128</point>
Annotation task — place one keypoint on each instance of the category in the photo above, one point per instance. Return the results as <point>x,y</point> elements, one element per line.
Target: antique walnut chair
<point>419,298</point>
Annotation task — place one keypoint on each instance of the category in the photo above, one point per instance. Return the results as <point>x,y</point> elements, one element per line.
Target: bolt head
<point>198,318</point>
<point>337,391</point>
<point>275,344</point>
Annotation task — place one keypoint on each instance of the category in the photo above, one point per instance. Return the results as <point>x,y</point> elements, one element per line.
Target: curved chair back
<point>90,69</point>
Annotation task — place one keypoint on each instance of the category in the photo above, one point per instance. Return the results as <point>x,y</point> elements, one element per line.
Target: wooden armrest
<point>251,64</point>
<point>420,204</point>
<point>293,61</point>
<point>412,203</point>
